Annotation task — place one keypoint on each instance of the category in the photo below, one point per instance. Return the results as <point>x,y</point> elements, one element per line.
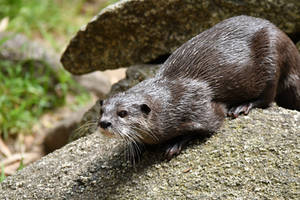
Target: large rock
<point>17,47</point>
<point>251,157</point>
<point>138,31</point>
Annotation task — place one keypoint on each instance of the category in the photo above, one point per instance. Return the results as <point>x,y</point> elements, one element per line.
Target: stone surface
<point>134,75</point>
<point>251,157</point>
<point>17,47</point>
<point>138,31</point>
<point>95,82</point>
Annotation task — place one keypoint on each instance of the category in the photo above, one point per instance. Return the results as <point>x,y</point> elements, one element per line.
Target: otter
<point>239,64</point>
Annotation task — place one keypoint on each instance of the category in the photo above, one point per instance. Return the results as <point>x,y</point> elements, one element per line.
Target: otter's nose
<point>104,124</point>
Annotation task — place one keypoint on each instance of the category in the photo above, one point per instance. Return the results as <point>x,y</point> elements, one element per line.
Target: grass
<point>27,94</point>
<point>27,91</point>
<point>52,20</point>
<point>2,175</point>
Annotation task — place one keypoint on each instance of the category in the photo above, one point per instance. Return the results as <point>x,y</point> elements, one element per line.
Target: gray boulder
<point>17,47</point>
<point>137,31</point>
<point>251,157</point>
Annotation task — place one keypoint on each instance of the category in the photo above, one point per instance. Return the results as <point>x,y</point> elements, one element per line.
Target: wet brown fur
<point>264,71</point>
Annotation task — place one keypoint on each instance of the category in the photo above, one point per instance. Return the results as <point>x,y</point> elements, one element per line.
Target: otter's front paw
<point>176,145</point>
<point>173,150</point>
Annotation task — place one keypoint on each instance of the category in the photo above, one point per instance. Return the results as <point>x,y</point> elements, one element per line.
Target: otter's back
<point>226,55</point>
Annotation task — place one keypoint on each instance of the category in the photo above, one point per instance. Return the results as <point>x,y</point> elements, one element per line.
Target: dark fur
<point>242,61</point>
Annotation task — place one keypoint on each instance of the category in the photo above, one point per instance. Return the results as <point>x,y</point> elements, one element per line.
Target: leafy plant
<point>27,91</point>
<point>2,175</point>
<point>49,19</point>
<point>21,166</point>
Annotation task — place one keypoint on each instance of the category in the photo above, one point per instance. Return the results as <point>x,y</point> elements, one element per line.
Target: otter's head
<point>127,115</point>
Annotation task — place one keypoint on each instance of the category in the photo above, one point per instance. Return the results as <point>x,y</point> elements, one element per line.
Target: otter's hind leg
<point>263,101</point>
<point>289,93</point>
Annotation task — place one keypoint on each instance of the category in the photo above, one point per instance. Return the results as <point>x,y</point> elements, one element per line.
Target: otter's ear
<point>145,109</point>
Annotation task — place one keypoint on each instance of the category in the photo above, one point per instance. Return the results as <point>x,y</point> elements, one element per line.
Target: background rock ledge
<point>138,31</point>
<point>252,157</point>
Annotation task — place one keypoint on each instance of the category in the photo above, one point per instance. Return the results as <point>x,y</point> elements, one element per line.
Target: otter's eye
<point>122,113</point>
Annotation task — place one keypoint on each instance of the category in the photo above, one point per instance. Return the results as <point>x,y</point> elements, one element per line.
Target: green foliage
<point>52,20</point>
<point>2,175</point>
<point>21,166</point>
<point>43,17</point>
<point>28,89</point>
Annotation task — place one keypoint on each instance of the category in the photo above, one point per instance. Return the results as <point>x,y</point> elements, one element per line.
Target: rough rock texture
<point>251,157</point>
<point>138,31</point>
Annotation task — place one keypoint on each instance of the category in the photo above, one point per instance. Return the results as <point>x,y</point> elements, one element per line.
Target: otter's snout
<point>104,124</point>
